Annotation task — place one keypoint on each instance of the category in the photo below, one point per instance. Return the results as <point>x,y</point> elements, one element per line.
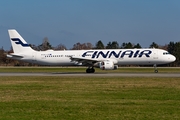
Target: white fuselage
<point>118,56</point>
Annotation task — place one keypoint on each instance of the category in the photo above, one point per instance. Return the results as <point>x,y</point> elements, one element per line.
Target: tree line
<point>172,48</point>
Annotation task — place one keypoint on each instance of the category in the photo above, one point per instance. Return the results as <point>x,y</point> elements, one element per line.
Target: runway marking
<point>95,74</point>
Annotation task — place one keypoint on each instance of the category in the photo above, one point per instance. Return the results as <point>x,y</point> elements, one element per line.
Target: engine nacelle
<point>107,65</point>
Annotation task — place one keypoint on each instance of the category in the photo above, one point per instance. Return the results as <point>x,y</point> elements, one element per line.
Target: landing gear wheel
<point>87,70</point>
<point>156,71</point>
<point>90,70</point>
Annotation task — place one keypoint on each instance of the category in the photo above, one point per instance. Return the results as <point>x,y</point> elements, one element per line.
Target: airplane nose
<point>173,58</point>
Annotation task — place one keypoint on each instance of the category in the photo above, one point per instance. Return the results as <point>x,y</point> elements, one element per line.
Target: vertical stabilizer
<point>19,45</point>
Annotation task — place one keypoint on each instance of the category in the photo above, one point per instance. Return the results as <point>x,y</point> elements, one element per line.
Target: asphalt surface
<point>95,74</point>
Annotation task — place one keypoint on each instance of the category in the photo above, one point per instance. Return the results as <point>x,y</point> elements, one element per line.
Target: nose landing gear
<point>155,68</point>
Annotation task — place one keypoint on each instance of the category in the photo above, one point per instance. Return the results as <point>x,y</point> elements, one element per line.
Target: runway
<point>95,74</point>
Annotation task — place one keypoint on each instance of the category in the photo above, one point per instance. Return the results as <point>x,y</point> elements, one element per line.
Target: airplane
<point>105,59</point>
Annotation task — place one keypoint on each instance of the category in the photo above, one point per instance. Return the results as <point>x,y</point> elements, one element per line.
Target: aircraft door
<point>43,56</point>
<point>34,57</point>
<point>155,54</point>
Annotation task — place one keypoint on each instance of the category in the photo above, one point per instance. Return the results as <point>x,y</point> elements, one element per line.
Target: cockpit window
<point>166,53</point>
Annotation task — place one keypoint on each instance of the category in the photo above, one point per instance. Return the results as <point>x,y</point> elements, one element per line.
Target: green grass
<point>83,69</point>
<point>89,98</point>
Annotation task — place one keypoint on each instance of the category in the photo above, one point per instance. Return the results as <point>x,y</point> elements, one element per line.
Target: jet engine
<point>107,65</point>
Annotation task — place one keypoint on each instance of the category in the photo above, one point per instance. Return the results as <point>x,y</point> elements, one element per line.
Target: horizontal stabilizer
<point>14,56</point>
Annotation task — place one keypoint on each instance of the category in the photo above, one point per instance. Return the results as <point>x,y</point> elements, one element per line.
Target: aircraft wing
<point>84,61</point>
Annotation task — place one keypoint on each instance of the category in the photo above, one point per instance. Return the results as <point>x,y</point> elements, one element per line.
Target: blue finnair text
<point>118,54</point>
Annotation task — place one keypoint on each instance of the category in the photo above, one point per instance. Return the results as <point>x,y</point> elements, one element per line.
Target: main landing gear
<point>90,70</point>
<point>155,68</point>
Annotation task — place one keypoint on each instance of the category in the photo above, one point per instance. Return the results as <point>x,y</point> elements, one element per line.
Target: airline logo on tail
<point>18,41</point>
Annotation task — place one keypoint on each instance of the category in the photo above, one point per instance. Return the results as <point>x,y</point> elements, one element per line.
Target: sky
<point>70,21</point>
